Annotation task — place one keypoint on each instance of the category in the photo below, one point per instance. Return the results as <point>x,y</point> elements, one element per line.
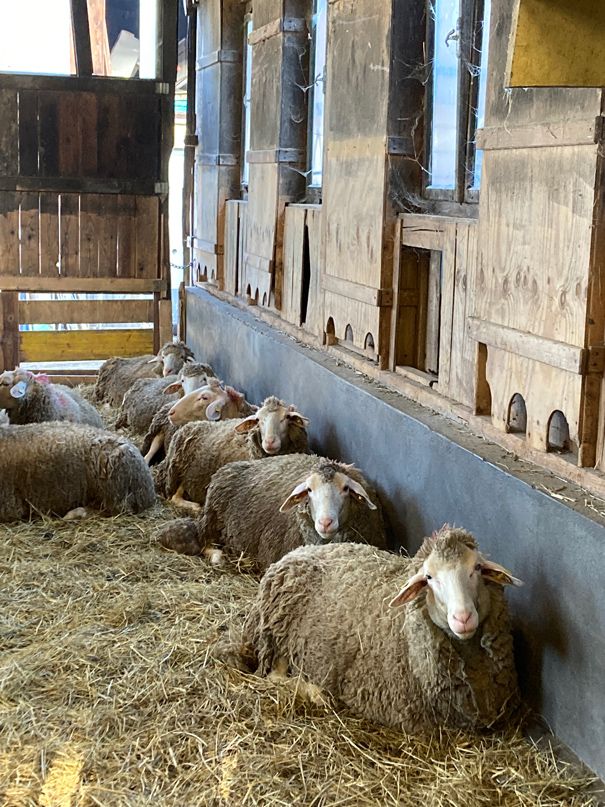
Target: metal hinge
<point>162,88</point>
<point>161,188</point>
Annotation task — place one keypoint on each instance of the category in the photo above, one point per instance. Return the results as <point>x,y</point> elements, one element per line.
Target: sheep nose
<point>325,523</point>
<point>462,617</point>
<point>270,443</point>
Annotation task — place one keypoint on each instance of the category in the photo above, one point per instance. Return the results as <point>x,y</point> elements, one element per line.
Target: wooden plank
<point>540,135</point>
<point>144,187</point>
<point>111,150</point>
<point>94,84</point>
<point>433,313</point>
<point>99,285</point>
<point>71,312</point>
<point>49,234</point>
<point>147,236</point>
<point>521,343</point>
<point>99,42</point>
<point>9,233</point>
<point>9,330</point>
<point>423,231</point>
<point>126,214</point>
<point>357,291</point>
<point>39,346</point>
<point>70,137</point>
<point>165,321</point>
<point>545,46</point>
<point>87,110</point>
<point>48,152</point>
<point>28,133</point>
<point>89,235</point>
<point>107,235</point>
<point>232,231</point>
<point>69,234</point>
<point>9,133</point>
<point>29,234</point>
<point>81,29</point>
<point>448,279</point>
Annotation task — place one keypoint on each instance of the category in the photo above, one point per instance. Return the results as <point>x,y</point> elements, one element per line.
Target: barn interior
<point>388,212</point>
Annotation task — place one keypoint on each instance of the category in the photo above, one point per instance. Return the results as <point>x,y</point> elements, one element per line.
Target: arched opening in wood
<point>256,296</point>
<point>483,393</point>
<point>306,277</point>
<point>349,334</point>
<point>248,291</point>
<point>516,421</point>
<point>368,343</point>
<point>330,335</point>
<point>558,433</point>
<point>264,298</point>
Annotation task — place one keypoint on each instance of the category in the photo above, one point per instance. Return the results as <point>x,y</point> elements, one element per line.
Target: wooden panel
<point>68,312</point>
<point>9,330</point>
<point>89,235</point>
<point>108,235</point>
<point>39,346</point>
<point>165,321</point>
<point>545,49</point>
<point>85,284</point>
<point>463,351</point>
<point>49,234</point>
<point>29,234</point>
<point>28,133</point>
<point>69,234</point>
<point>539,135</point>
<point>48,148</point>
<point>9,134</point>
<point>295,220</point>
<point>126,247</point>
<point>147,236</point>
<point>357,291</point>
<point>315,315</point>
<point>448,284</point>
<point>9,234</point>
<point>232,235</point>
<point>423,232</point>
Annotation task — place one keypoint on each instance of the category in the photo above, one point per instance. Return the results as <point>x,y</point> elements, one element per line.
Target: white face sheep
<point>242,510</point>
<point>211,402</point>
<point>171,357</point>
<point>57,468</point>
<point>199,449</point>
<point>33,399</point>
<point>444,657</point>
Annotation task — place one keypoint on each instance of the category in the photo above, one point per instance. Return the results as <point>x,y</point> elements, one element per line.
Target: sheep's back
<point>144,399</point>
<point>117,375</point>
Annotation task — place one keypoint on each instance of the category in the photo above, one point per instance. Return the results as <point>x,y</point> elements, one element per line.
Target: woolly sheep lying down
<point>117,375</point>
<point>148,395</point>
<point>33,399</point>
<point>210,402</point>
<point>438,653</point>
<point>198,450</point>
<point>266,508</point>
<point>57,469</point>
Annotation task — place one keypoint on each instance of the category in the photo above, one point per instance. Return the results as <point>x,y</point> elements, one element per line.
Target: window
<point>246,100</point>
<point>35,37</point>
<point>319,30</point>
<point>458,38</point>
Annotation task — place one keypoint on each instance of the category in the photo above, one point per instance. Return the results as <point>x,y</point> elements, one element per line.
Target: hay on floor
<point>110,695</point>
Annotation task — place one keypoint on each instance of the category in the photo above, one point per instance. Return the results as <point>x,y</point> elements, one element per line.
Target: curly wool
<point>54,468</point>
<point>45,402</point>
<point>325,611</point>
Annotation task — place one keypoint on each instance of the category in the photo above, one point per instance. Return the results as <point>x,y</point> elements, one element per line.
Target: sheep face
<point>187,382</point>
<point>14,385</point>
<point>212,402</point>
<point>453,577</point>
<point>327,493</point>
<point>172,356</point>
<point>273,421</point>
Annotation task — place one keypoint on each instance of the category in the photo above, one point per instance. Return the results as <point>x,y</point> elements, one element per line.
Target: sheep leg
<point>154,448</point>
<point>304,689</point>
<point>76,513</point>
<point>179,501</point>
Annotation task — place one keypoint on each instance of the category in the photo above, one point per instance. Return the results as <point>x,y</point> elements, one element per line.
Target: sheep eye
<point>346,489</point>
<point>429,577</point>
<point>478,567</point>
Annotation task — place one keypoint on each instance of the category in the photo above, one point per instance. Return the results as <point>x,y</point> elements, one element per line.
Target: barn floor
<point>110,694</point>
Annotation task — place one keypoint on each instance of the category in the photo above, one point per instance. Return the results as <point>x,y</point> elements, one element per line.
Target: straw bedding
<point>110,695</point>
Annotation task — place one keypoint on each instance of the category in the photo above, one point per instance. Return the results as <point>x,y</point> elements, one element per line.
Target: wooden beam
<point>357,291</point>
<point>115,285</point>
<point>81,34</point>
<point>547,351</point>
<point>47,346</point>
<point>541,135</point>
<point>69,312</point>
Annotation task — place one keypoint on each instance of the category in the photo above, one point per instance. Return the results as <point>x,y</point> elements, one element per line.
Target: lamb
<point>117,375</point>
<point>54,469</point>
<point>147,395</point>
<point>33,399</point>
<point>211,402</point>
<point>322,501</point>
<point>199,449</point>
<point>444,659</point>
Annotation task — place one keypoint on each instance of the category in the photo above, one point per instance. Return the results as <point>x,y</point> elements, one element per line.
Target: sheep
<point>199,449</point>
<point>117,375</point>
<point>266,508</point>
<point>60,469</point>
<point>147,395</point>
<point>445,659</point>
<point>211,402</point>
<point>4,421</point>
<point>33,399</point>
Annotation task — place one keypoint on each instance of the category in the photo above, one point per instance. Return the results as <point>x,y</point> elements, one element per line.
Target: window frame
<point>246,103</point>
<point>314,192</point>
<point>470,28</point>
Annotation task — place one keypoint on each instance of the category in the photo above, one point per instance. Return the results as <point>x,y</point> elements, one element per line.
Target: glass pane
<point>482,89</point>
<point>444,142</point>
<point>35,37</point>
<point>319,31</point>
<point>247,98</point>
<point>124,39</point>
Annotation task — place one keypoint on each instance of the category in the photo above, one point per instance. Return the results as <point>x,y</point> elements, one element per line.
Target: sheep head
<point>327,492</point>
<point>14,385</point>
<point>172,356</point>
<point>453,577</point>
<point>210,402</point>
<point>191,376</point>
<point>271,425</point>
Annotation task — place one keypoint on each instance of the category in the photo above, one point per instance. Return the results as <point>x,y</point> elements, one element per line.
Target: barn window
<point>458,34</point>
<point>319,31</point>
<point>247,96</point>
<point>35,37</point>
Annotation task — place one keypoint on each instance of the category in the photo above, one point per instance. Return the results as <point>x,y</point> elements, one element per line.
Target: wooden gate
<point>83,208</point>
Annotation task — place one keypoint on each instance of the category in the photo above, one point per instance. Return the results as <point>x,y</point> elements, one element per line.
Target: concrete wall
<point>430,471</point>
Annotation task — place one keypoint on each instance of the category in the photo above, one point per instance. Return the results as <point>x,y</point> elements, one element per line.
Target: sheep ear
<point>249,423</point>
<point>234,394</point>
<point>171,389</point>
<point>155,360</point>
<point>18,391</point>
<point>494,573</point>
<point>359,493</point>
<point>298,419</point>
<point>298,495</point>
<point>414,586</point>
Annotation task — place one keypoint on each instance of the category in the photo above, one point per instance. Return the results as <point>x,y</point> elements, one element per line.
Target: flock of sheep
<point>411,643</point>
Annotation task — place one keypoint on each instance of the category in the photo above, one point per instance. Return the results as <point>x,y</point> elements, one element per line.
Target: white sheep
<point>198,450</point>
<point>148,395</point>
<point>214,401</point>
<point>265,508</point>
<point>59,468</point>
<point>438,653</point>
<point>117,375</point>
<point>28,398</point>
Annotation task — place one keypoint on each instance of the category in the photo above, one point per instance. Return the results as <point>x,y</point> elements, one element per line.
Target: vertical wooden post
<point>81,34</point>
<point>9,330</point>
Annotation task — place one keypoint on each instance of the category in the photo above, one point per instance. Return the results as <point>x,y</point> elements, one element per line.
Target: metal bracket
<point>162,88</point>
<point>160,188</point>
